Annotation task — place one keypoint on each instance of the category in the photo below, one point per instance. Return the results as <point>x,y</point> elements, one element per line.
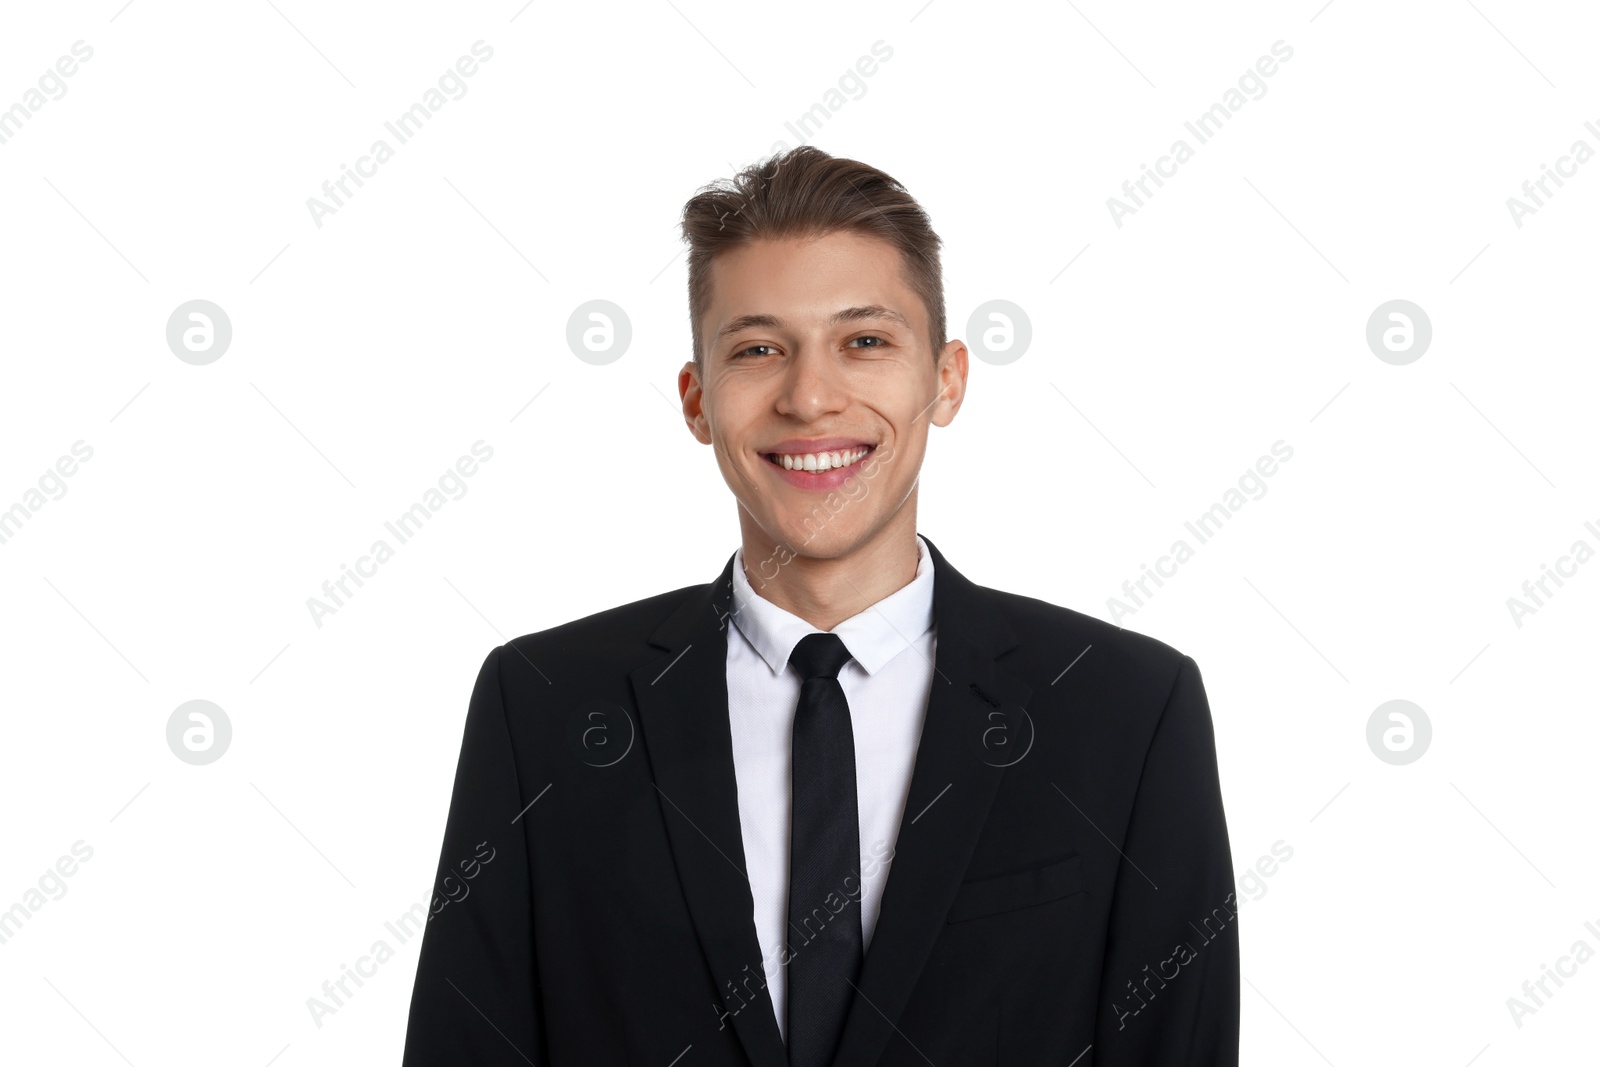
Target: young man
<point>841,805</point>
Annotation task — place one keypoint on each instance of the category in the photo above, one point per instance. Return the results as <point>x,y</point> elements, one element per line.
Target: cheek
<point>731,412</point>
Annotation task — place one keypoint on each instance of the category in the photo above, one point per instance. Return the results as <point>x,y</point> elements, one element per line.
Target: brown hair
<point>805,192</point>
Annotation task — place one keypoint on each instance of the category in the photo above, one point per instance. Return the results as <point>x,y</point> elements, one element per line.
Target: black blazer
<point>1061,890</point>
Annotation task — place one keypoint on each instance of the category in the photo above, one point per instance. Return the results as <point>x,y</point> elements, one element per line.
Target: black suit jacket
<point>1061,890</point>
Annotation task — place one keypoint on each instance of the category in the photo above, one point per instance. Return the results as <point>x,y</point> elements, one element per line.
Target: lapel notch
<point>682,697</point>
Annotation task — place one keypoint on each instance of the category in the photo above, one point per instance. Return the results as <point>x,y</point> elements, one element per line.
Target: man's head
<point>818,323</point>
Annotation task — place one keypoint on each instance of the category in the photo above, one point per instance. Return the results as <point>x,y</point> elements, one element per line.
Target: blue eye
<point>747,351</point>
<point>869,337</point>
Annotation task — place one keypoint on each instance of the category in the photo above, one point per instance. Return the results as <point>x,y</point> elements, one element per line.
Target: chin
<point>824,543</point>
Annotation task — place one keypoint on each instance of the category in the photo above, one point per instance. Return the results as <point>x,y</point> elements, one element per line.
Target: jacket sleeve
<point>476,995</point>
<point>1169,991</point>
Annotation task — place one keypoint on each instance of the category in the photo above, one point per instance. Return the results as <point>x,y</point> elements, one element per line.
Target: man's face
<point>817,346</point>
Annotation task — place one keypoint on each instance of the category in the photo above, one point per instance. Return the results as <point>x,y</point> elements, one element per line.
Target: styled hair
<point>805,192</point>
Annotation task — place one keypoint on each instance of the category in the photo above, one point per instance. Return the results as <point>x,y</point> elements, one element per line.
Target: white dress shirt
<point>887,683</point>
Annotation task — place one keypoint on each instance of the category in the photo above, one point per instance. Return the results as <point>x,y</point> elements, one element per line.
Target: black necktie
<point>824,856</point>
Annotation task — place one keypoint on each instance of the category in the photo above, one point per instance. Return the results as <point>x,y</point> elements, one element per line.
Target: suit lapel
<point>952,785</point>
<point>683,707</point>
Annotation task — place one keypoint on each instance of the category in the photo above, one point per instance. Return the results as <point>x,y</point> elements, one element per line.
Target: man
<point>841,805</point>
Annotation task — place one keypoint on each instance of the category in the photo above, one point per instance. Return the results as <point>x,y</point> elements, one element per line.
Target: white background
<point>430,311</point>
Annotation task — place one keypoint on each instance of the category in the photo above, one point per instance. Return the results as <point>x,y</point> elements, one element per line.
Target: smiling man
<point>840,805</point>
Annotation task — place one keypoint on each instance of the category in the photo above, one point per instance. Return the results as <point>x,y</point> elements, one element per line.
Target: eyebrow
<point>839,318</point>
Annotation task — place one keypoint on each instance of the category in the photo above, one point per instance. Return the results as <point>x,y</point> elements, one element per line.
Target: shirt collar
<point>874,636</point>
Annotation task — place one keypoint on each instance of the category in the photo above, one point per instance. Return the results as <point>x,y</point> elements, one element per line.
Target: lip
<point>828,480</point>
<point>799,446</point>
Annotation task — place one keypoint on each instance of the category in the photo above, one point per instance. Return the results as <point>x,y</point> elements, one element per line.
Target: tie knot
<point>819,655</point>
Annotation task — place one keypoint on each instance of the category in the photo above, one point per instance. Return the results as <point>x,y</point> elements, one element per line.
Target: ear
<point>952,382</point>
<point>693,398</point>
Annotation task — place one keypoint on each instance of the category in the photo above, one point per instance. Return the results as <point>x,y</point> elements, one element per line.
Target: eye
<point>881,342</point>
<point>747,351</point>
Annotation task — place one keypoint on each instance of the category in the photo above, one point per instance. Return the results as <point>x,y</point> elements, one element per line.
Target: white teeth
<point>822,461</point>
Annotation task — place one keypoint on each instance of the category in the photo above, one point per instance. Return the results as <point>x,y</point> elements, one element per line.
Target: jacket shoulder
<point>1030,616</point>
<point>616,634</point>
<point>1054,639</point>
<point>1116,685</point>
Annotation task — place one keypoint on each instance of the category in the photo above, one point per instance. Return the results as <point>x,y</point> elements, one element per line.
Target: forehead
<point>808,276</point>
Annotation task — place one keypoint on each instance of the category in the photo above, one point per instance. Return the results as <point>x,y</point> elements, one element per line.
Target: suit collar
<point>953,596</point>
<point>683,709</point>
<point>874,636</point>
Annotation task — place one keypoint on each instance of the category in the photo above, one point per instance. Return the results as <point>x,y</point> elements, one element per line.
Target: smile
<point>817,462</point>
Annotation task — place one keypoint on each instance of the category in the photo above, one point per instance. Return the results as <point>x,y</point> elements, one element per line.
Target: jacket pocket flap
<point>1007,892</point>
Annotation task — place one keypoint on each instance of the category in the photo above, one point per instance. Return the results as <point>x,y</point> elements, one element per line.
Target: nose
<point>814,384</point>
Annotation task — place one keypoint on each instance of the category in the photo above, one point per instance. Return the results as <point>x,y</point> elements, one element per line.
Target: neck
<point>826,591</point>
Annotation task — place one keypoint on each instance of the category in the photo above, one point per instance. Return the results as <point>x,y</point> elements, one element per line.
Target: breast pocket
<point>1023,889</point>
